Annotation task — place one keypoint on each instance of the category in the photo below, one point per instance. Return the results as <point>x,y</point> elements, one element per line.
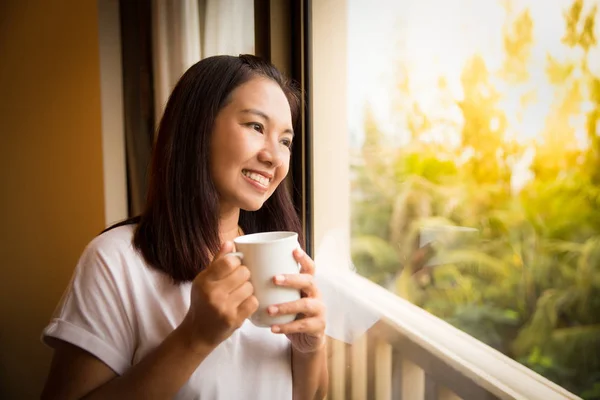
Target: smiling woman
<point>156,308</point>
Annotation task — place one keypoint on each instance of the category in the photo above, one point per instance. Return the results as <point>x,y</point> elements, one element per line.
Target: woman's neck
<point>228,225</point>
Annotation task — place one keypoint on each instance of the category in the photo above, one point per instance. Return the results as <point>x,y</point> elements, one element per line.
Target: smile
<point>256,177</point>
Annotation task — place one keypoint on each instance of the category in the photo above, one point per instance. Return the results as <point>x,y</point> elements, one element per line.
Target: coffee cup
<point>266,255</point>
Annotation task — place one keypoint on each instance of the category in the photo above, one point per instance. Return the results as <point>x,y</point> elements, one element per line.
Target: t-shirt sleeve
<point>95,313</point>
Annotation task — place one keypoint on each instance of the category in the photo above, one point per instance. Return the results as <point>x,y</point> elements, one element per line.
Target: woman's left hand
<point>307,332</point>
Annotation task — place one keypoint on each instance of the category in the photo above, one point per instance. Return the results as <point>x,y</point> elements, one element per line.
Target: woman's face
<point>250,146</point>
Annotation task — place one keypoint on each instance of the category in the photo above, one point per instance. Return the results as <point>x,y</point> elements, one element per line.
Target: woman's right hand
<point>221,299</point>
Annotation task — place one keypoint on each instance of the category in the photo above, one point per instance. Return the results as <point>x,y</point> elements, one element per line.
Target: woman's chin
<point>252,205</point>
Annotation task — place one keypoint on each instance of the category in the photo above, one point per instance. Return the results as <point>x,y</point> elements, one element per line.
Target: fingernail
<point>275,329</point>
<point>300,252</point>
<point>273,310</point>
<point>279,278</point>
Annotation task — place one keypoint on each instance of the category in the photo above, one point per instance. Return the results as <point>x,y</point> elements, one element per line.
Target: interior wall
<point>51,177</point>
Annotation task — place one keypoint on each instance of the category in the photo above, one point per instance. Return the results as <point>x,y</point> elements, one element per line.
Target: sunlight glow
<point>433,39</point>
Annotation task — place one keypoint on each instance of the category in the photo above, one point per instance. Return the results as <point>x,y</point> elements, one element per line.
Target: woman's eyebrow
<point>261,114</point>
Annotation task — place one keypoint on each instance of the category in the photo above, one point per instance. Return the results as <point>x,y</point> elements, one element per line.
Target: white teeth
<point>257,177</point>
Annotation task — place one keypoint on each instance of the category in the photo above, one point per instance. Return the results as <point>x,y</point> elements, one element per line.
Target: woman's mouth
<point>255,177</point>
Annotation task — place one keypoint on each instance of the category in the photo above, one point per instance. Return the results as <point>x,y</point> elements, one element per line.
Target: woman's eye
<point>256,126</point>
<point>287,143</point>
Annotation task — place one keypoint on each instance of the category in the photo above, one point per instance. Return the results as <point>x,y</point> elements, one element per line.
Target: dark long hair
<point>178,232</point>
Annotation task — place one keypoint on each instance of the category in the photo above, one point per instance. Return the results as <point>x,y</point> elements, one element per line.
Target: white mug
<point>266,255</point>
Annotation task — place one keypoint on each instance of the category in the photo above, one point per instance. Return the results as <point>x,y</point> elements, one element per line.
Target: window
<point>467,137</point>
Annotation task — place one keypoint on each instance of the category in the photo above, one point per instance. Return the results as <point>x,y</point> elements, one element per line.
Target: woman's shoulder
<point>119,239</point>
<point>112,250</point>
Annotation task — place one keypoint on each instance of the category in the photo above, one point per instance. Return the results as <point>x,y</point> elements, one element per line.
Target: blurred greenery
<point>529,285</point>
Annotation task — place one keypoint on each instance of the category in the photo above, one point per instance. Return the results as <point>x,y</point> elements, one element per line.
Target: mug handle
<point>237,254</point>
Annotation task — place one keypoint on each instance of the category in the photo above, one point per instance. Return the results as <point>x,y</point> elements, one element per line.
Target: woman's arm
<point>221,300</point>
<point>309,374</point>
<point>76,374</point>
<point>307,333</point>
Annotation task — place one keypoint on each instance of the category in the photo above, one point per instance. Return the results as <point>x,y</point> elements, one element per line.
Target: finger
<point>223,264</point>
<point>226,247</point>
<point>304,282</point>
<point>315,325</point>
<point>248,307</point>
<point>235,279</point>
<point>223,267</point>
<point>307,265</point>
<point>307,306</point>
<point>241,294</point>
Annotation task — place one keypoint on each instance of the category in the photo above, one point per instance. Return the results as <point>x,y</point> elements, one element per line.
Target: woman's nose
<point>270,154</point>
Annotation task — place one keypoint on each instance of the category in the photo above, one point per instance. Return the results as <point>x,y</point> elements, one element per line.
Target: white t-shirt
<point>119,309</point>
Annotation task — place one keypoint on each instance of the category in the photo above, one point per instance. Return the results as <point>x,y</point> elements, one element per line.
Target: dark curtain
<point>138,98</point>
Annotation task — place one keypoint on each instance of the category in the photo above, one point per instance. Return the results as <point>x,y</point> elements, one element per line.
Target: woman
<point>155,309</point>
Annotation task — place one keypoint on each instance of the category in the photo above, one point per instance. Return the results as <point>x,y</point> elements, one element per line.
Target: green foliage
<point>488,323</point>
<point>374,257</point>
